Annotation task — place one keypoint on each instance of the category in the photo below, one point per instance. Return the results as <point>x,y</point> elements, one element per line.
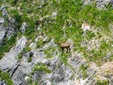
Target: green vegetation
<point>17,17</point>
<point>49,52</point>
<point>41,67</point>
<point>30,59</point>
<point>102,82</point>
<point>7,46</point>
<point>25,50</point>
<point>30,81</point>
<point>67,24</point>
<point>70,14</point>
<point>40,43</point>
<point>20,55</point>
<point>64,58</point>
<point>84,71</point>
<point>5,76</point>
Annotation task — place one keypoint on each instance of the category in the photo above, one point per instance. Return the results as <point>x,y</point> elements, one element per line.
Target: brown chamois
<point>64,45</point>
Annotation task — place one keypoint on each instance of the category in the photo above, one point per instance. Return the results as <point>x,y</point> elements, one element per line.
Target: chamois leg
<point>62,50</point>
<point>67,49</point>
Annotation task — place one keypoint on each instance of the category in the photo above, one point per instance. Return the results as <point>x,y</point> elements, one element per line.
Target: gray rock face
<point>100,4</point>
<point>60,73</point>
<point>2,33</point>
<point>6,31</point>
<point>20,74</point>
<point>20,45</point>
<point>2,30</point>
<point>23,27</point>
<point>4,12</point>
<point>2,7</point>
<point>10,32</point>
<point>11,20</point>
<point>63,73</point>
<point>87,2</point>
<point>10,59</point>
<point>1,20</point>
<point>2,82</point>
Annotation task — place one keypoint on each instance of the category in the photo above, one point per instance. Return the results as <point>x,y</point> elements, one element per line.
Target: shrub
<point>41,67</point>
<point>5,76</point>
<point>7,46</point>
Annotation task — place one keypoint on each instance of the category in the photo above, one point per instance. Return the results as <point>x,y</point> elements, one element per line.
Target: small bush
<point>5,76</point>
<point>7,46</point>
<point>102,82</point>
<point>40,43</point>
<point>41,67</point>
<point>84,71</point>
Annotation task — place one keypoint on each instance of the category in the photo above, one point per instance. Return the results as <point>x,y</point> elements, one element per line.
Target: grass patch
<point>5,76</point>
<point>84,71</point>
<point>25,50</point>
<point>7,46</point>
<point>41,67</point>
<point>102,82</point>
<point>49,52</point>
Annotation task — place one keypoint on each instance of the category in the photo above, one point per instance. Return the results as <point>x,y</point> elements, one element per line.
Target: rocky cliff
<point>30,33</point>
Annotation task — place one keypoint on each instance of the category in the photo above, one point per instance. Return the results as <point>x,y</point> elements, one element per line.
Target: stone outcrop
<point>10,59</point>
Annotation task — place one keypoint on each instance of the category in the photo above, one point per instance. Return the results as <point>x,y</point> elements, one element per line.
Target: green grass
<point>73,12</point>
<point>39,43</point>
<point>7,46</point>
<point>30,59</point>
<point>102,82</point>
<point>30,81</point>
<point>5,76</point>
<point>41,67</point>
<point>25,50</point>
<point>84,71</point>
<point>49,52</point>
<point>64,57</point>
<point>68,12</point>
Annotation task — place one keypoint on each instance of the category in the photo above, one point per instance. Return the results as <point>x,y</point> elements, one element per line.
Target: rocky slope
<point>31,29</point>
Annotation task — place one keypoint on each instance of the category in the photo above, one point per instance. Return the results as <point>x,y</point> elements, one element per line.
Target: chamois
<point>64,45</point>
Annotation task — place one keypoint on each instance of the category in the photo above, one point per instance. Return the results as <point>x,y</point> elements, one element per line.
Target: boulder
<point>10,32</point>
<point>10,58</point>
<point>2,34</point>
<point>23,27</point>
<point>106,69</point>
<point>1,20</point>
<point>100,4</point>
<point>4,13</point>
<point>86,26</point>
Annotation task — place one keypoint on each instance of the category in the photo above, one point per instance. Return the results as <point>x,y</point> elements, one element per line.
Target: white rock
<point>54,14</point>
<point>1,20</point>
<point>2,33</point>
<point>23,27</point>
<point>26,78</point>
<point>33,45</point>
<point>85,26</point>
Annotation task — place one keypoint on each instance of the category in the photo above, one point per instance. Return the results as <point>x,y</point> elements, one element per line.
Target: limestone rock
<point>10,59</point>
<point>1,20</point>
<point>23,27</point>
<point>85,26</point>
<point>2,33</point>
<point>106,69</point>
